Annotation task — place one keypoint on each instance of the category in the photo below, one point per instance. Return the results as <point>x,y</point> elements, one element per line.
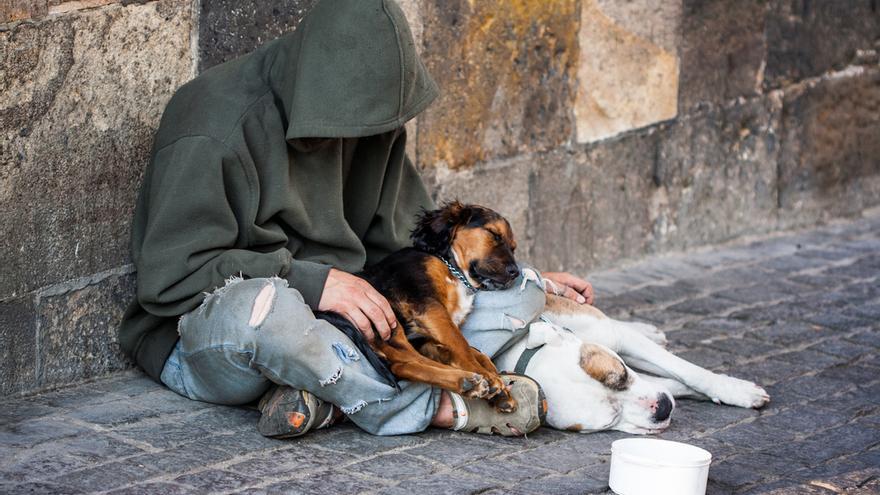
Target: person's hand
<point>357,300</point>
<point>567,285</point>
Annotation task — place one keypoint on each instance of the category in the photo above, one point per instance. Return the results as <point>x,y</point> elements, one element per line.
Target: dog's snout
<point>513,270</point>
<point>663,409</point>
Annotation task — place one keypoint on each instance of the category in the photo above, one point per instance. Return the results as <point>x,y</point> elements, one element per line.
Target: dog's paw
<point>653,333</point>
<point>475,387</point>
<point>740,393</point>
<point>504,403</point>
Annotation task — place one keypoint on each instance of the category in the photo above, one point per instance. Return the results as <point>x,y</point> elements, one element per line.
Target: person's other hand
<point>570,286</point>
<point>357,300</point>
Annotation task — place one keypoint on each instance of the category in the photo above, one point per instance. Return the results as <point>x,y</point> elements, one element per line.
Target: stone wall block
<point>17,10</point>
<point>230,28</point>
<point>807,38</point>
<point>502,186</point>
<point>78,331</point>
<point>506,70</point>
<point>17,345</point>
<point>717,173</point>
<point>722,50</point>
<point>625,81</point>
<point>79,100</point>
<point>830,157</point>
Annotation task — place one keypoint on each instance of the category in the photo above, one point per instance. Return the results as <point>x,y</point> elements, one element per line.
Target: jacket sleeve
<point>186,235</point>
<point>403,197</point>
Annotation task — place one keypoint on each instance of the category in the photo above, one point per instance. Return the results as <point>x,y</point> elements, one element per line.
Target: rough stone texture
<point>722,50</point>
<point>81,93</point>
<point>817,435</point>
<point>807,38</point>
<point>624,80</point>
<point>507,72</point>
<point>17,345</point>
<point>81,96</point>
<point>229,28</point>
<point>77,331</point>
<point>830,147</point>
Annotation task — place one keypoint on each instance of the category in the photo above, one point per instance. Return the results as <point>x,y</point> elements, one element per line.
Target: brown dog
<point>457,249</point>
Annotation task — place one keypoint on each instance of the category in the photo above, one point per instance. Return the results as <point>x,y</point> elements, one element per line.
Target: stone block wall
<point>605,130</point>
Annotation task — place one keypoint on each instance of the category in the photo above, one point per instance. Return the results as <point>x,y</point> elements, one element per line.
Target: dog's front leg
<point>720,388</point>
<point>436,324</point>
<point>675,387</point>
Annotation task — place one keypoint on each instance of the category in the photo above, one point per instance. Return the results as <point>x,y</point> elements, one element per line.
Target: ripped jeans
<point>256,332</point>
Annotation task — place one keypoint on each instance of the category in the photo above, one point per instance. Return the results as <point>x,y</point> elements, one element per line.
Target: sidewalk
<point>798,314</point>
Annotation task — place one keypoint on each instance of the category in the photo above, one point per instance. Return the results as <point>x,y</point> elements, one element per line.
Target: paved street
<point>796,313</point>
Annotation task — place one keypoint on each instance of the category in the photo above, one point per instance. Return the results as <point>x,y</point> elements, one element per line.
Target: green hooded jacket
<point>235,187</point>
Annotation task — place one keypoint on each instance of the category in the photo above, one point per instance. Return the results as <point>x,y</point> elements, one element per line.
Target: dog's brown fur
<point>430,301</point>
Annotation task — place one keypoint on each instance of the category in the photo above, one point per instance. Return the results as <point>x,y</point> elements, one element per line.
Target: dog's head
<point>590,388</point>
<point>477,238</point>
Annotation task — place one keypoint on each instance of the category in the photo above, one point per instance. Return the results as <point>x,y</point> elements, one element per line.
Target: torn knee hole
<point>262,305</point>
<point>330,380</point>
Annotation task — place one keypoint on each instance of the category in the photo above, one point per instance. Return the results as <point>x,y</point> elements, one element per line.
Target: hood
<point>350,70</point>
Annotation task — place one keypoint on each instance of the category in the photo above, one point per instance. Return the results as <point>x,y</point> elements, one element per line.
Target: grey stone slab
<point>705,306</point>
<point>393,466</point>
<point>444,483</point>
<point>744,348</point>
<point>215,480</point>
<point>114,413</point>
<point>789,333</point>
<point>77,132</point>
<point>18,359</point>
<point>154,488</point>
<point>76,343</point>
<point>291,462</point>
<point>180,459</point>
<point>790,265</point>
<point>23,410</point>
<point>561,484</point>
<point>36,431</point>
<point>807,39</point>
<point>761,293</point>
<point>353,440</point>
<point>107,476</point>
<point>504,470</point>
<point>561,458</point>
<point>465,450</point>
<point>164,434</point>
<point>829,444</point>
<point>330,480</point>
<point>39,464</point>
<point>39,487</point>
<point>722,52</point>
<point>821,155</point>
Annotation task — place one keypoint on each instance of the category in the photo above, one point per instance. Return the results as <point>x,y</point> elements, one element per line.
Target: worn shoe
<point>288,412</point>
<point>478,416</point>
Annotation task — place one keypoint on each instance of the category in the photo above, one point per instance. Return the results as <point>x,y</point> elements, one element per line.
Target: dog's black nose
<point>664,408</point>
<point>513,270</point>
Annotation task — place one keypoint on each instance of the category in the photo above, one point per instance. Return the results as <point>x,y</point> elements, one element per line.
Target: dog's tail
<point>355,335</point>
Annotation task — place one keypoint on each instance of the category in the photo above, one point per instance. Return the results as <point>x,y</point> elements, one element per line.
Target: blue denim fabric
<point>221,358</point>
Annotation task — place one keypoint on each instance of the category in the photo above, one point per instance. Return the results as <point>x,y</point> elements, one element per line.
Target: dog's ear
<point>435,229</point>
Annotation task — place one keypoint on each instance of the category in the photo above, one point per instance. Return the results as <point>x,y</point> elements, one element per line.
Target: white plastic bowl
<point>648,466</point>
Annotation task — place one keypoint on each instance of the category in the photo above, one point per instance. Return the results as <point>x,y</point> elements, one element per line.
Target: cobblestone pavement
<point>796,313</point>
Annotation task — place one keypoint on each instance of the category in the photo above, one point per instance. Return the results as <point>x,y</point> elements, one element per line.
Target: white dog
<point>584,361</point>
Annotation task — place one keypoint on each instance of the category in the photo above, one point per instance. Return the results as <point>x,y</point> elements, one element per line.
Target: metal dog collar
<point>455,271</point>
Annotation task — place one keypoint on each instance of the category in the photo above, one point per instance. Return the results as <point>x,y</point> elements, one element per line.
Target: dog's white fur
<point>576,401</point>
